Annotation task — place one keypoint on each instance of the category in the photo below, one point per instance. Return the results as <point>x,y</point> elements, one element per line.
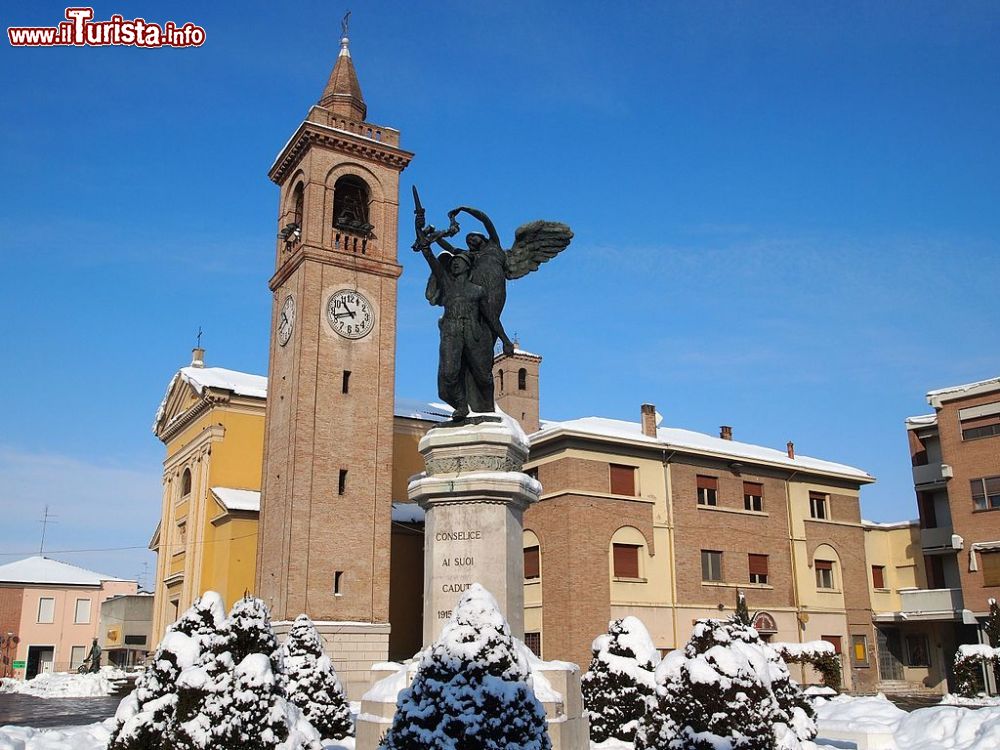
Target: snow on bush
<point>144,716</point>
<point>66,684</point>
<point>820,655</point>
<point>620,679</point>
<point>312,683</point>
<point>470,691</point>
<point>725,690</point>
<point>971,658</point>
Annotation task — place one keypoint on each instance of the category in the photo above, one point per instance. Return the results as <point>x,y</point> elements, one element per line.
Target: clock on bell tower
<point>324,531</point>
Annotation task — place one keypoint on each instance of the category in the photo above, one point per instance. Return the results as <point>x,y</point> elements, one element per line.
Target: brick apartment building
<point>955,454</point>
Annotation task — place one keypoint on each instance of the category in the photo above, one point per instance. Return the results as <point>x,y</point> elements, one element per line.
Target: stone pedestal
<point>474,496</point>
<point>353,647</point>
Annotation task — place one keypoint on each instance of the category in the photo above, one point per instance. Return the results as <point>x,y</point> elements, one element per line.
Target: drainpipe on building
<point>671,551</point>
<point>795,575</point>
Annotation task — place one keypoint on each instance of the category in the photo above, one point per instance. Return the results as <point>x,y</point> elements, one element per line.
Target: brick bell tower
<point>323,545</point>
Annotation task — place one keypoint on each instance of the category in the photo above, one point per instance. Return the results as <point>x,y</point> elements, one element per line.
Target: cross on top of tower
<point>342,94</point>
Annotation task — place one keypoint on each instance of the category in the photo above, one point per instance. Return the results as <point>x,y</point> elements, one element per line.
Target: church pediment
<point>180,400</point>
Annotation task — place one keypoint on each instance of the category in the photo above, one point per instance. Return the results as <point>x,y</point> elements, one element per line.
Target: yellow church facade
<point>211,422</point>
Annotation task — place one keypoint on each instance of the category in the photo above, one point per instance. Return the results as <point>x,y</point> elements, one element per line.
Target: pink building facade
<point>54,610</point>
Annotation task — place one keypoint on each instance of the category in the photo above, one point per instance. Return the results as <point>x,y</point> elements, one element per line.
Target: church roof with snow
<point>44,570</point>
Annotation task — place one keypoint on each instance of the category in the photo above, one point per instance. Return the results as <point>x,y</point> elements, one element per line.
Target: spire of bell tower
<point>342,94</point>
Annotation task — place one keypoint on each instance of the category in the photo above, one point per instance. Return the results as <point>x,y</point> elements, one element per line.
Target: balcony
<point>931,604</point>
<point>930,474</point>
<point>940,541</point>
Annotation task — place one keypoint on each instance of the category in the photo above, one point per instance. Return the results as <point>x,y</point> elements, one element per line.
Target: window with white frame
<point>819,505</point>
<point>46,610</point>
<point>81,615</point>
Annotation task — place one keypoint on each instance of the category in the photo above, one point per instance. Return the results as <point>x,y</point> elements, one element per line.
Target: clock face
<point>286,320</point>
<point>350,314</point>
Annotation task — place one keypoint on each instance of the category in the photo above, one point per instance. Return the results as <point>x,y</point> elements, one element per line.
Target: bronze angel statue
<point>471,285</point>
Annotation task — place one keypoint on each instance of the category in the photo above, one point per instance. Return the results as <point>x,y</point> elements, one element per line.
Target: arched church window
<point>186,483</point>
<point>522,379</point>
<point>500,380</point>
<point>350,205</point>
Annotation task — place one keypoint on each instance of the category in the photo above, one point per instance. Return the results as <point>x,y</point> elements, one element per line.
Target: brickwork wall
<point>574,534</point>
<point>970,459</point>
<point>11,598</point>
<point>849,543</point>
<point>575,473</point>
<point>733,531</point>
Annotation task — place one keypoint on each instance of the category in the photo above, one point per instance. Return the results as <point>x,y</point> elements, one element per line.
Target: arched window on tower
<point>298,201</point>
<point>350,206</point>
<point>522,379</point>
<point>186,483</point>
<point>500,380</point>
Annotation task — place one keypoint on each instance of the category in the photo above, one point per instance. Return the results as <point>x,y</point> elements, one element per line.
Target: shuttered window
<point>622,480</point>
<point>753,496</point>
<point>835,640</point>
<point>626,560</point>
<point>758,568</point>
<point>46,610</point>
<point>991,568</point>
<point>82,614</point>
<point>878,576</point>
<point>708,490</point>
<point>824,574</point>
<point>531,568</point>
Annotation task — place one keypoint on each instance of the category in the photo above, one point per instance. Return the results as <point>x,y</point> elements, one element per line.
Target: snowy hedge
<point>725,690</point>
<point>221,683</point>
<point>471,688</point>
<point>620,679</point>
<point>972,658</point>
<point>820,655</point>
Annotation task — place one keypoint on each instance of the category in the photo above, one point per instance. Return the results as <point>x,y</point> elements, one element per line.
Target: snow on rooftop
<point>41,569</point>
<point>956,391</point>
<point>673,437</point>
<point>888,525</point>
<point>407,513</point>
<point>430,411</point>
<point>234,499</point>
<point>922,420</point>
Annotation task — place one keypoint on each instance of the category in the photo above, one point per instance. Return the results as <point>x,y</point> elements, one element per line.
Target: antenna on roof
<point>46,520</point>
<point>199,337</point>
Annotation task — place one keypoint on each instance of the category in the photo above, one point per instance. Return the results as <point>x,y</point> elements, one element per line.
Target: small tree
<point>972,658</point>
<point>145,714</point>
<point>725,689</point>
<point>470,691</point>
<point>620,679</point>
<point>312,683</point>
<point>258,717</point>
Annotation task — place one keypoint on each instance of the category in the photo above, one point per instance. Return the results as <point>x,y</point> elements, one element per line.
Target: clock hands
<point>345,314</point>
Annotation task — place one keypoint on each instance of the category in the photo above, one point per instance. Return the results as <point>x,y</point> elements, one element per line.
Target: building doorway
<point>40,661</point>
<point>890,654</point>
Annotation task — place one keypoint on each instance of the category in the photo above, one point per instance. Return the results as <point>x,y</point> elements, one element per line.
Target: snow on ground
<point>935,728</point>
<point>66,684</point>
<point>89,737</point>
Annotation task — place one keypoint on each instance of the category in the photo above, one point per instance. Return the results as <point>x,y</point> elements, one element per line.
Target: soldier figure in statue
<point>471,285</point>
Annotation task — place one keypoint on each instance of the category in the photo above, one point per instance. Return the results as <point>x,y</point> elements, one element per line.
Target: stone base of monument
<point>556,684</point>
<point>353,647</point>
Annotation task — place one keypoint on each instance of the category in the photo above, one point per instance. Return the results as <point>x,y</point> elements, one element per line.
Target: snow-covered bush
<point>470,691</point>
<point>258,716</point>
<point>208,691</point>
<point>145,715</point>
<point>312,683</point>
<point>725,690</point>
<point>971,658</point>
<point>620,679</point>
<point>820,655</point>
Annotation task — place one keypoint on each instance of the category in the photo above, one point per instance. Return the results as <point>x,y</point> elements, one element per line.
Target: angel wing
<point>535,243</point>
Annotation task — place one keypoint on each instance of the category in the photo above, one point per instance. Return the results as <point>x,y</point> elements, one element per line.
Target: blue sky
<point>785,219</point>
